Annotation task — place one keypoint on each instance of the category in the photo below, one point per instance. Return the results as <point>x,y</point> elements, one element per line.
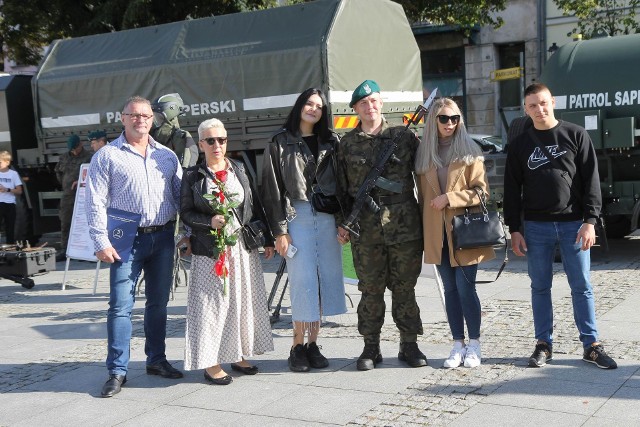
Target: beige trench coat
<point>461,179</point>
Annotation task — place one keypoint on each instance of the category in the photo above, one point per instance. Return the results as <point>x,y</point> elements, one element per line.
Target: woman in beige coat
<point>449,166</point>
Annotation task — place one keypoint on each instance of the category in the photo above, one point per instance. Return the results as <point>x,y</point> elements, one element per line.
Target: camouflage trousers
<point>397,268</point>
<point>65,214</point>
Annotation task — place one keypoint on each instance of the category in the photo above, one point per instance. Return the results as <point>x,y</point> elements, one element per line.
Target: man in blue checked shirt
<point>139,175</point>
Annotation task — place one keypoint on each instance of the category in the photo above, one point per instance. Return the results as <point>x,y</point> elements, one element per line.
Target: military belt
<point>393,199</point>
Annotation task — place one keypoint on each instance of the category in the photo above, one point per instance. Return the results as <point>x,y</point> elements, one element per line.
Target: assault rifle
<point>363,196</point>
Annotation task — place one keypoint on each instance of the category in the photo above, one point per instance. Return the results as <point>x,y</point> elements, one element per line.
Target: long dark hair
<point>322,128</point>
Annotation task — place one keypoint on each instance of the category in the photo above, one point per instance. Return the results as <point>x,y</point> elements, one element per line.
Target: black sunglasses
<point>444,119</point>
<point>221,140</point>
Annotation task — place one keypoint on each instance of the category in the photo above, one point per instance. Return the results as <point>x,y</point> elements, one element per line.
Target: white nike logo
<point>537,158</point>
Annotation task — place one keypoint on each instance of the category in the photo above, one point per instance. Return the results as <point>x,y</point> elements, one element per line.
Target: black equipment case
<point>19,265</point>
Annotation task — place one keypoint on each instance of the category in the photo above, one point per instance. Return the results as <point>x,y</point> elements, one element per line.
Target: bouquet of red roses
<point>222,204</point>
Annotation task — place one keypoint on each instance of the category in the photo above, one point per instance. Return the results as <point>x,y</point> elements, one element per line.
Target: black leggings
<point>8,214</point>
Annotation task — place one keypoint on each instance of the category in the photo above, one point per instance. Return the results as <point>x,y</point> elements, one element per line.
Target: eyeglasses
<point>444,119</point>
<point>138,116</point>
<point>221,140</point>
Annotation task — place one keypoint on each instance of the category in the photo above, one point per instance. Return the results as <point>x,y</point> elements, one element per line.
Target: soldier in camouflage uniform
<point>67,171</point>
<point>388,252</point>
<point>166,129</point>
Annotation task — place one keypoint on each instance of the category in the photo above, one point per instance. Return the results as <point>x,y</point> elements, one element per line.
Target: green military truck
<point>597,86</point>
<point>246,69</point>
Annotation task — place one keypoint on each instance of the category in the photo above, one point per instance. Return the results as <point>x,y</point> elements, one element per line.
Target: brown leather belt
<point>155,228</point>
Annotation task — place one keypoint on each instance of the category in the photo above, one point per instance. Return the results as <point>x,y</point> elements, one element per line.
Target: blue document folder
<point>122,227</point>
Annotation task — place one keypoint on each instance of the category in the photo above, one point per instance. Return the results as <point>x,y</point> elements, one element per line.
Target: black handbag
<point>483,229</point>
<point>253,234</point>
<point>478,230</point>
<point>325,204</point>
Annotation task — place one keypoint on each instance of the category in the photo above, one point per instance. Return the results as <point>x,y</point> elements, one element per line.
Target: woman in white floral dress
<point>227,313</point>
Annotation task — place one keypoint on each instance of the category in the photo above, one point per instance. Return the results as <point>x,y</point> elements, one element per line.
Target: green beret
<point>365,89</point>
<point>97,134</point>
<point>73,141</point>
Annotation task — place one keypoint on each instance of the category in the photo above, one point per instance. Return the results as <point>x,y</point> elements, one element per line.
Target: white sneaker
<point>456,356</point>
<point>473,355</point>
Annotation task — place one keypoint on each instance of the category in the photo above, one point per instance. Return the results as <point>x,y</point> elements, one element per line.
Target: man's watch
<point>8,190</point>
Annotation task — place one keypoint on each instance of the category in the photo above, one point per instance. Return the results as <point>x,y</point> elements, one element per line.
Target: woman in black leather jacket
<point>227,314</point>
<point>300,161</point>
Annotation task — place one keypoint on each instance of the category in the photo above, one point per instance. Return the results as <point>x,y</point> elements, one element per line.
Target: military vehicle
<point>596,85</point>
<point>246,69</point>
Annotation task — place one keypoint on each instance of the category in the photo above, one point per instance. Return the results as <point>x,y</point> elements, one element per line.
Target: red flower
<point>219,267</point>
<point>222,175</point>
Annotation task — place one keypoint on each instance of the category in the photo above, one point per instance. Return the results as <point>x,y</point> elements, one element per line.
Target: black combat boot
<point>411,354</point>
<point>370,357</point>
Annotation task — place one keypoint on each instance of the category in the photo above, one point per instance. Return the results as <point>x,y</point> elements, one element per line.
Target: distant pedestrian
<point>450,167</point>
<point>67,171</point>
<point>560,208</point>
<point>10,187</point>
<point>97,139</point>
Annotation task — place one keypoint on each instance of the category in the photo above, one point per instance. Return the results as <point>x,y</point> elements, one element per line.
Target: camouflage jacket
<point>399,217</point>
<point>68,169</point>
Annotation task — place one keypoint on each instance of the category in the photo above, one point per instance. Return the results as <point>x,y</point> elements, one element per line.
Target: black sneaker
<point>315,358</point>
<point>596,355</point>
<point>298,359</point>
<point>369,358</point>
<point>411,354</point>
<point>541,355</point>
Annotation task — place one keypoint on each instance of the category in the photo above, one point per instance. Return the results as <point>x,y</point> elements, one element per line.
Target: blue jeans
<point>460,296</point>
<point>541,239</point>
<point>153,253</point>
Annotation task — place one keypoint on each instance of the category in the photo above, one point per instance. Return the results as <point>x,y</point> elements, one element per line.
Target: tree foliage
<point>613,17</point>
<point>26,26</point>
<point>465,14</point>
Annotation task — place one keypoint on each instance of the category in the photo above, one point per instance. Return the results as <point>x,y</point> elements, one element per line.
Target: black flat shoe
<point>164,369</point>
<point>247,370</point>
<point>226,380</point>
<point>113,385</point>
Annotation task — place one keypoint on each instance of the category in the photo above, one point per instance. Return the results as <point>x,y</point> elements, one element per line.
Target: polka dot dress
<point>223,329</point>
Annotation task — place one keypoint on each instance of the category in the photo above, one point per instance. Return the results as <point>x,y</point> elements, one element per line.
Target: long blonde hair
<point>462,146</point>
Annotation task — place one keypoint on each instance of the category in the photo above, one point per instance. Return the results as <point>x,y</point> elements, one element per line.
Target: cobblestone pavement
<point>437,399</point>
<point>507,325</point>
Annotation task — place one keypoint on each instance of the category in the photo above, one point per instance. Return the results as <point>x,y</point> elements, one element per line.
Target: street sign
<point>506,74</point>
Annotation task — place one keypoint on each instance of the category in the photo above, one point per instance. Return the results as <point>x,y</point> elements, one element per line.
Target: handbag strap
<point>485,211</point>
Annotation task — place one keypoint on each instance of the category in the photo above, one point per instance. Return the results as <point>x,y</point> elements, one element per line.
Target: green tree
<point>27,26</point>
<point>465,14</point>
<point>613,17</point>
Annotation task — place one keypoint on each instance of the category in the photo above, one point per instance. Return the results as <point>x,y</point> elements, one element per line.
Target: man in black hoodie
<point>560,201</point>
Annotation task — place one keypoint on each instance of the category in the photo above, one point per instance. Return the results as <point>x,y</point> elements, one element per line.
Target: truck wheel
<point>518,126</point>
<point>617,226</point>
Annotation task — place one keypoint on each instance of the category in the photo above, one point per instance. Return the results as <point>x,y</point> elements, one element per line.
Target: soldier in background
<point>166,129</point>
<point>67,171</point>
<point>97,139</point>
<point>388,251</point>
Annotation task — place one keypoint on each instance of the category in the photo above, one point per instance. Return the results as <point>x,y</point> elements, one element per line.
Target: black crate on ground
<point>27,263</point>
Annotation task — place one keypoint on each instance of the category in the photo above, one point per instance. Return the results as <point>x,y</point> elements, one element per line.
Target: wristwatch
<point>8,190</point>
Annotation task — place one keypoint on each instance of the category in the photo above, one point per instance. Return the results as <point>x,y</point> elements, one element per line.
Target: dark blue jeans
<point>460,296</point>
<point>541,239</point>
<point>152,253</point>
